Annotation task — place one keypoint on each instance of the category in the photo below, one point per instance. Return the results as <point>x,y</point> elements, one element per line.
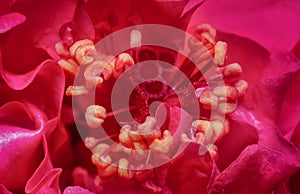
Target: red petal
<point>257,170</point>
<point>288,122</point>
<point>45,91</point>
<point>45,178</point>
<point>265,22</point>
<point>20,148</point>
<point>10,20</point>
<point>189,172</point>
<point>3,190</point>
<point>76,189</point>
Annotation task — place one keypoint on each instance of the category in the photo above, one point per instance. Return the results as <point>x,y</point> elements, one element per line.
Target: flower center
<point>157,109</point>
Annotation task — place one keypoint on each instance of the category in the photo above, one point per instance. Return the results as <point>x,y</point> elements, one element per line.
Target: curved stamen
<point>95,116</point>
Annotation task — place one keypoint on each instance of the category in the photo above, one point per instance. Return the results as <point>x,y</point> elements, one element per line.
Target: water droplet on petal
<point>66,34</point>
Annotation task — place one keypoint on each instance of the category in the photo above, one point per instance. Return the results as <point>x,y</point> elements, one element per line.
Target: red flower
<point>254,149</point>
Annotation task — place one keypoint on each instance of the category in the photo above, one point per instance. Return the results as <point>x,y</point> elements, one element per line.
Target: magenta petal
<point>189,172</point>
<point>268,95</point>
<point>120,14</point>
<point>20,148</point>
<point>76,189</point>
<point>10,20</point>
<point>265,22</point>
<point>40,27</point>
<point>257,170</point>
<point>288,122</point>
<point>44,92</point>
<point>3,190</point>
<point>83,26</point>
<point>45,178</point>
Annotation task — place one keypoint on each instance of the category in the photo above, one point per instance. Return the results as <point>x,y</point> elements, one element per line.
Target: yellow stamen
<point>135,38</point>
<point>101,162</point>
<point>220,53</point>
<point>61,50</point>
<point>241,87</point>
<point>124,136</point>
<point>147,127</point>
<point>69,65</point>
<point>84,51</point>
<point>92,73</point>
<point>76,90</point>
<point>208,100</point>
<point>227,107</point>
<point>123,169</point>
<point>232,72</point>
<point>225,91</point>
<point>164,144</point>
<point>95,116</point>
<point>207,28</point>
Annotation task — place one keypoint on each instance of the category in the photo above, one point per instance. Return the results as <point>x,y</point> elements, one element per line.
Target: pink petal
<point>288,122</point>
<point>257,170</point>
<point>20,151</point>
<point>189,172</point>
<point>231,145</point>
<point>121,14</point>
<point>265,22</point>
<point>45,177</point>
<point>3,190</point>
<point>10,21</point>
<point>40,28</point>
<point>44,92</point>
<point>76,189</point>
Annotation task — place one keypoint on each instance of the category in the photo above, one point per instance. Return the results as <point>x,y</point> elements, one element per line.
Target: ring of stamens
<point>136,141</point>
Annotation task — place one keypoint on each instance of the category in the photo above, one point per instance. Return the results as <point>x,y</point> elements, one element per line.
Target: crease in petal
<point>45,177</point>
<point>20,148</point>
<point>45,91</point>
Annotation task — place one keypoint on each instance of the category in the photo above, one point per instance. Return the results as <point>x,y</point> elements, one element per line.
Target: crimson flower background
<point>41,150</point>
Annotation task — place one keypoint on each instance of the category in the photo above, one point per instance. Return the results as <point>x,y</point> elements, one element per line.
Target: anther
<point>213,150</point>
<point>123,60</point>
<point>135,38</point>
<point>241,87</point>
<point>101,162</point>
<point>147,127</point>
<point>227,107</point>
<point>90,142</point>
<point>208,100</point>
<point>84,51</point>
<point>207,36</point>
<point>123,169</point>
<point>76,90</point>
<point>124,136</point>
<point>69,65</point>
<point>232,72</point>
<point>220,53</point>
<point>92,73</point>
<point>225,91</point>
<point>61,50</point>
<point>95,116</point>
<point>203,127</point>
<point>207,28</point>
<point>139,147</point>
<point>164,144</point>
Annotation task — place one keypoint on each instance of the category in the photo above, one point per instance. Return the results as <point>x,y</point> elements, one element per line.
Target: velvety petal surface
<point>265,22</point>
